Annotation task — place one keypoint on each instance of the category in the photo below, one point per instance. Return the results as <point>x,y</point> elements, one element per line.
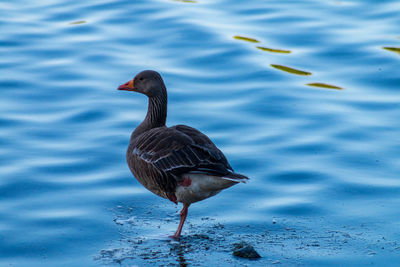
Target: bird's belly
<point>196,187</point>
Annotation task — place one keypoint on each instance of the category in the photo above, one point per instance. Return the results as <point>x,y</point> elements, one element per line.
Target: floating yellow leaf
<point>246,39</point>
<point>291,70</point>
<point>273,50</point>
<point>324,85</point>
<point>393,49</point>
<point>186,1</point>
<point>77,22</point>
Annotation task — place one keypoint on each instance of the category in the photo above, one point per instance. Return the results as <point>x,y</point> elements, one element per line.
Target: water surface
<point>323,163</point>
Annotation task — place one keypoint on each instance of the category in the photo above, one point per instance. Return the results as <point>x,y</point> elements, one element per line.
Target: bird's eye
<point>141,79</point>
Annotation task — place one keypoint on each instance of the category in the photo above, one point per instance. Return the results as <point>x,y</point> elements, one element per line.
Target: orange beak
<point>129,86</point>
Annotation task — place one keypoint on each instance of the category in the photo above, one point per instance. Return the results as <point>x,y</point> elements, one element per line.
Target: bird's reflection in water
<point>186,245</point>
<point>177,251</point>
<point>181,260</point>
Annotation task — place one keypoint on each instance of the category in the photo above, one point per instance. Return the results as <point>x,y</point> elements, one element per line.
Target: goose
<point>178,163</point>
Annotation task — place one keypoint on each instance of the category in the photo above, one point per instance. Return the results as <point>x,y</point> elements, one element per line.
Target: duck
<point>178,163</point>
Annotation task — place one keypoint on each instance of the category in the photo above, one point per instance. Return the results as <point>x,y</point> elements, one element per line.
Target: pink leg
<point>184,213</point>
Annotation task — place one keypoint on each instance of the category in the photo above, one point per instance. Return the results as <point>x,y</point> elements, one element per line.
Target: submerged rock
<point>245,250</point>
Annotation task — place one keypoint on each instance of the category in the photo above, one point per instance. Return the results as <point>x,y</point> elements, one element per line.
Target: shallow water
<point>323,162</point>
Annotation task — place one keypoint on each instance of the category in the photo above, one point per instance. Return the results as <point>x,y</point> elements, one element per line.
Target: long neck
<point>156,114</point>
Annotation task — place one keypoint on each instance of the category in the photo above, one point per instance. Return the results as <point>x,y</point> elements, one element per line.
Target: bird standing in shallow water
<point>178,163</point>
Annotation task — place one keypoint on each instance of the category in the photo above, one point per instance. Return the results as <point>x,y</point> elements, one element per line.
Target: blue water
<point>324,163</point>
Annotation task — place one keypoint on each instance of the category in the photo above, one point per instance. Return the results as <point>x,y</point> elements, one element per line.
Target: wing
<point>203,141</point>
<point>175,151</point>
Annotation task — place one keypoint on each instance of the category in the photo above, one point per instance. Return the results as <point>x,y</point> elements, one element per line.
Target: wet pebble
<point>245,250</point>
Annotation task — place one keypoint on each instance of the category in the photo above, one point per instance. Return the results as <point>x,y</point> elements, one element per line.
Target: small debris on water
<point>130,220</point>
<point>324,85</point>
<point>219,236</point>
<point>273,50</point>
<point>200,236</point>
<point>291,70</point>
<point>219,226</point>
<point>245,250</point>
<point>186,1</point>
<point>346,235</point>
<point>77,22</point>
<point>247,39</point>
<point>392,49</point>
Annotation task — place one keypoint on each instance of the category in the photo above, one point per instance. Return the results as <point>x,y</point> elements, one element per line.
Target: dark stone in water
<point>245,250</point>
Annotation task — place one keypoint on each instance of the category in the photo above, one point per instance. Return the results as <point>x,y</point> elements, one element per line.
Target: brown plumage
<point>178,163</point>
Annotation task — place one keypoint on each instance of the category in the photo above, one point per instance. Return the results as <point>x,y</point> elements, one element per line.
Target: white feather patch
<point>202,186</point>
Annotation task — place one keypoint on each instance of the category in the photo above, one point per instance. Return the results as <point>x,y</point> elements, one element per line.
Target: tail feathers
<point>236,177</point>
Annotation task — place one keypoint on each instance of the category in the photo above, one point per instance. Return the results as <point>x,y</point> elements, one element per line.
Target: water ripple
<point>330,156</point>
